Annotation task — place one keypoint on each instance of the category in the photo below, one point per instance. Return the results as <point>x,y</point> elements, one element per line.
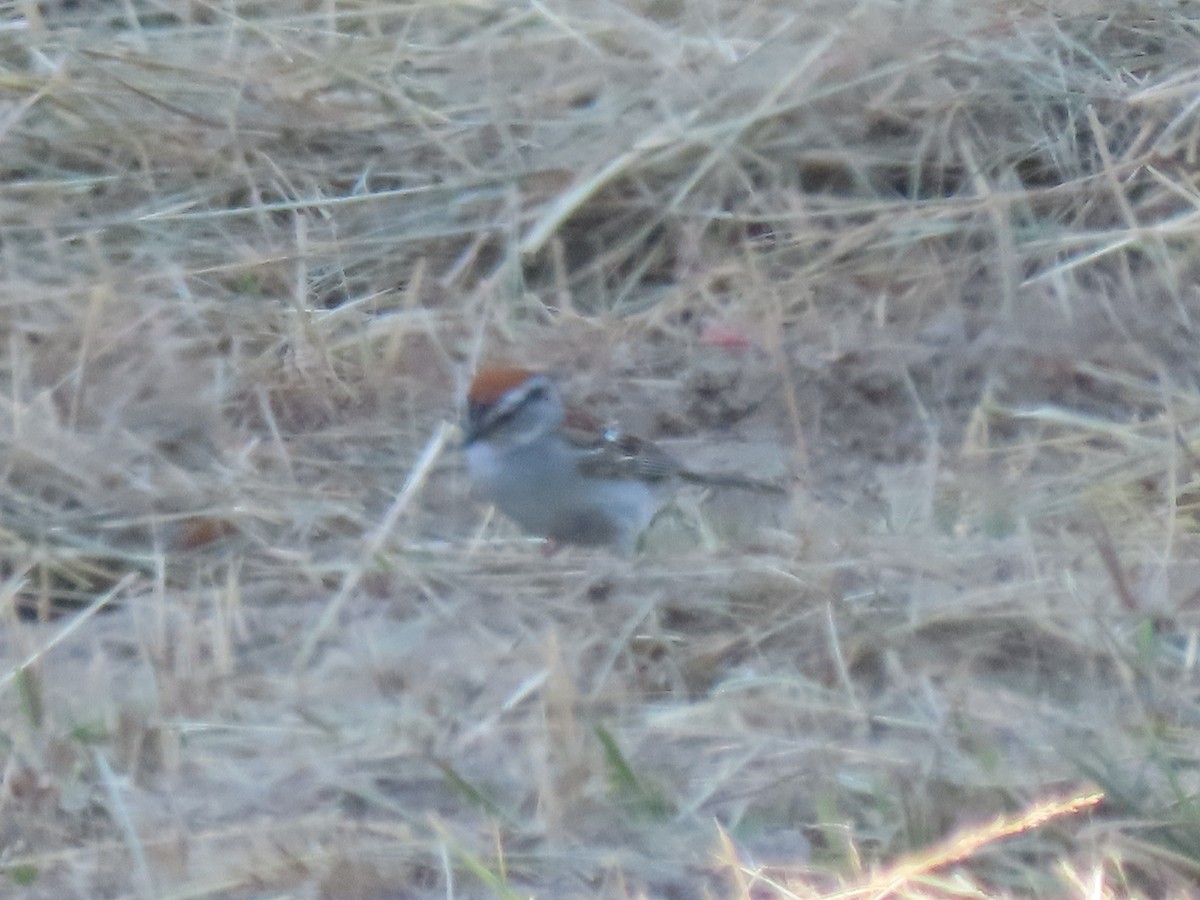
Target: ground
<point>932,266</point>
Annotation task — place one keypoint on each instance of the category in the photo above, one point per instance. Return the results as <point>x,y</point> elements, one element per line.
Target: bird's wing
<point>608,453</point>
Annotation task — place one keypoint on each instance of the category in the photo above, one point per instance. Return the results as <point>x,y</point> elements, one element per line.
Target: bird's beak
<point>472,429</point>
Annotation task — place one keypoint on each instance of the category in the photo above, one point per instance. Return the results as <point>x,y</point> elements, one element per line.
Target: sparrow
<point>560,474</point>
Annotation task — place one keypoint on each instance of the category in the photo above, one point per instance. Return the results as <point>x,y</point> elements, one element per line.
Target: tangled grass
<point>937,262</point>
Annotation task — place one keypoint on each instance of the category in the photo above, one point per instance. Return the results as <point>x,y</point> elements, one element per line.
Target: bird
<point>559,473</point>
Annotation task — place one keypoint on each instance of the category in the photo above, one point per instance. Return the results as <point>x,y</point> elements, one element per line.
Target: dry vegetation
<point>937,261</point>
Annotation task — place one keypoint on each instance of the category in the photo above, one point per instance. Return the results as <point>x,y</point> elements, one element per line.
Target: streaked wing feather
<point>611,455</point>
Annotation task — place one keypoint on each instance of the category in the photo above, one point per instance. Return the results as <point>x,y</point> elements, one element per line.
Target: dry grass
<point>248,255</point>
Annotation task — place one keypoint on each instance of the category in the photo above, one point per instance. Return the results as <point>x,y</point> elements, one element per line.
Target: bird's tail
<point>741,482</point>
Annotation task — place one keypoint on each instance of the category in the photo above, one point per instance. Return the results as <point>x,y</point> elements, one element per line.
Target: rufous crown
<point>493,382</point>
